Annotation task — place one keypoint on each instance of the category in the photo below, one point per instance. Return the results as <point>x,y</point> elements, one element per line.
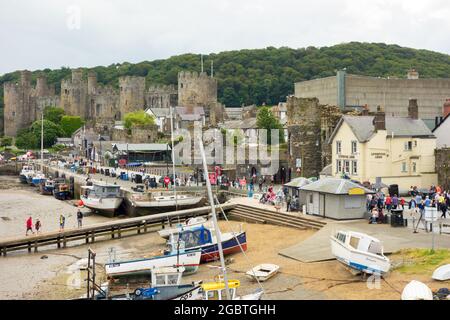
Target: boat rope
<point>240,246</point>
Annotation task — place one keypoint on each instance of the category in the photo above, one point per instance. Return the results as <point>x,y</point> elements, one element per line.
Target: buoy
<point>80,203</point>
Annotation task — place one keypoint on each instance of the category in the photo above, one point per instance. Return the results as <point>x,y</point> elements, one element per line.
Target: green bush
<point>6,141</point>
<point>54,114</point>
<point>70,124</point>
<point>137,119</point>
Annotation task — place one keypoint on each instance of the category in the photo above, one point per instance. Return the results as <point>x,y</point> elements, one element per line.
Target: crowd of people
<point>379,203</point>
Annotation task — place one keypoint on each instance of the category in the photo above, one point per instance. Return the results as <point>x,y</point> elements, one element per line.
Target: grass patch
<point>422,261</point>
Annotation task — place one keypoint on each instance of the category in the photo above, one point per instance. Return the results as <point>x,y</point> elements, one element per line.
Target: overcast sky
<point>54,33</point>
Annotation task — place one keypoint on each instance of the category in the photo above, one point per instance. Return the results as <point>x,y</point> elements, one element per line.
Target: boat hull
<point>190,260</point>
<point>358,260</point>
<point>61,195</point>
<point>46,190</point>
<point>210,252</point>
<point>23,178</point>
<point>105,205</point>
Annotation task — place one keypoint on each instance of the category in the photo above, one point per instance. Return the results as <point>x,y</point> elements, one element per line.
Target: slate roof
<point>333,186</point>
<point>298,182</point>
<point>240,124</point>
<point>363,128</point>
<point>159,112</point>
<point>141,147</point>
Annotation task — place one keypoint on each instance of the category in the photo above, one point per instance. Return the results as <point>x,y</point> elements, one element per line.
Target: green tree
<point>26,140</point>
<point>51,132</point>
<point>6,141</point>
<point>70,124</point>
<point>54,114</point>
<point>138,119</point>
<point>266,120</point>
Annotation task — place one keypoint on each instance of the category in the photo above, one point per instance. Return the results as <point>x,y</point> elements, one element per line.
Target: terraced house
<point>400,150</point>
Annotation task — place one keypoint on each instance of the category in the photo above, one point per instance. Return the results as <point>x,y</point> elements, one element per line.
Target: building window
<point>408,145</point>
<point>338,147</point>
<point>414,167</point>
<point>13,113</point>
<point>354,147</point>
<point>354,168</point>
<point>403,166</point>
<point>338,166</point>
<point>346,166</point>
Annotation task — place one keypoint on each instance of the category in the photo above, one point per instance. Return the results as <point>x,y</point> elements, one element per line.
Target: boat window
<point>160,279</point>
<point>354,242</point>
<point>375,247</point>
<point>341,237</point>
<point>191,239</point>
<point>172,279</point>
<point>206,236</point>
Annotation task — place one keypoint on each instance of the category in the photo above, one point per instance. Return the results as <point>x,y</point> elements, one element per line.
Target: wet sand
<point>20,201</point>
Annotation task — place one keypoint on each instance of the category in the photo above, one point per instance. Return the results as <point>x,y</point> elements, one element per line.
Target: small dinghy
<point>263,271</point>
<point>442,273</point>
<point>416,290</point>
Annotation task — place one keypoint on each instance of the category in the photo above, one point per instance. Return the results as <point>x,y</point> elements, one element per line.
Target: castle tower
<point>19,109</point>
<point>42,89</point>
<point>198,90</point>
<point>131,95</point>
<point>161,96</point>
<point>74,98</point>
<point>92,82</point>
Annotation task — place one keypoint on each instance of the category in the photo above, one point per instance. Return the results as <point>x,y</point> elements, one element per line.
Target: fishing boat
<point>37,179</point>
<point>61,189</point>
<point>360,252</point>
<point>442,273</point>
<point>416,290</point>
<point>25,172</point>
<point>216,291</point>
<point>187,225</point>
<point>47,187</point>
<point>101,197</point>
<point>203,238</point>
<point>263,271</point>
<point>164,201</point>
<point>165,285</point>
<point>190,260</point>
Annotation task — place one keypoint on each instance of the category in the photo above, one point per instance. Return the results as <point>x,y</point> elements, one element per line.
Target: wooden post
<point>139,228</point>
<point>145,227</point>
<point>112,232</point>
<point>92,236</point>
<point>29,246</point>
<point>35,246</point>
<point>57,241</point>
<point>120,233</point>
<point>87,237</point>
<point>64,241</point>
<point>4,251</point>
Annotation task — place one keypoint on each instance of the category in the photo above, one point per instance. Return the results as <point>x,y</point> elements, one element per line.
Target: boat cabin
<point>101,191</point>
<point>196,237</point>
<point>360,242</point>
<point>216,290</point>
<point>167,276</point>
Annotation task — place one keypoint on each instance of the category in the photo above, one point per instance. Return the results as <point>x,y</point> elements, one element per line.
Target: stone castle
<point>103,105</point>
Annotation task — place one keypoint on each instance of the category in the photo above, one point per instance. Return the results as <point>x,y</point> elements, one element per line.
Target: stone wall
<point>160,96</point>
<point>443,167</point>
<point>131,94</point>
<point>138,135</point>
<point>74,97</point>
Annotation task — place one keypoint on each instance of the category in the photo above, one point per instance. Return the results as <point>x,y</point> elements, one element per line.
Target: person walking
<point>394,202</point>
<point>29,226</point>
<point>288,202</point>
<point>37,226</point>
<point>62,222</point>
<point>80,218</point>
<point>443,207</point>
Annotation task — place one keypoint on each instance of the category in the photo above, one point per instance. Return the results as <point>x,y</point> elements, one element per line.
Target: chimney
<point>413,109</point>
<point>365,110</point>
<point>379,121</point>
<point>446,108</point>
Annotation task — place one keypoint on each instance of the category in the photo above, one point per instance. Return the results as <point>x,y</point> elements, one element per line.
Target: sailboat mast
<point>214,218</point>
<point>173,160</point>
<point>42,137</point>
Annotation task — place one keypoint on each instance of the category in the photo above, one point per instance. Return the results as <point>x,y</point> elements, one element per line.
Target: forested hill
<point>268,75</point>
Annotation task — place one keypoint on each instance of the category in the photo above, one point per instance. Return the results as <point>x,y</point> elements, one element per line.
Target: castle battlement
<point>162,88</point>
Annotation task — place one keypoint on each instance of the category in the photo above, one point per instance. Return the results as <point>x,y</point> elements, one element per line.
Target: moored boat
<point>25,172</point>
<point>189,224</point>
<point>216,291</point>
<point>176,258</point>
<point>360,252</point>
<point>47,186</point>
<point>442,273</point>
<point>416,290</point>
<point>164,201</point>
<point>203,238</point>
<point>37,179</point>
<point>101,197</point>
<point>61,189</point>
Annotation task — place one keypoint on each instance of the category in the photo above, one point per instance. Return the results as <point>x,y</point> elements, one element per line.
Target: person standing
<point>62,222</point>
<point>80,218</point>
<point>394,202</point>
<point>443,207</point>
<point>288,202</point>
<point>38,226</point>
<point>388,203</point>
<point>29,226</point>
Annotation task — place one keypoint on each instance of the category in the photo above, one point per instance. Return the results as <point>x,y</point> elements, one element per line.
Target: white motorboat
<point>102,197</point>
<point>163,200</point>
<point>360,252</point>
<point>189,260</point>
<point>187,225</point>
<point>25,173</point>
<point>416,290</point>
<point>263,271</point>
<point>442,273</point>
